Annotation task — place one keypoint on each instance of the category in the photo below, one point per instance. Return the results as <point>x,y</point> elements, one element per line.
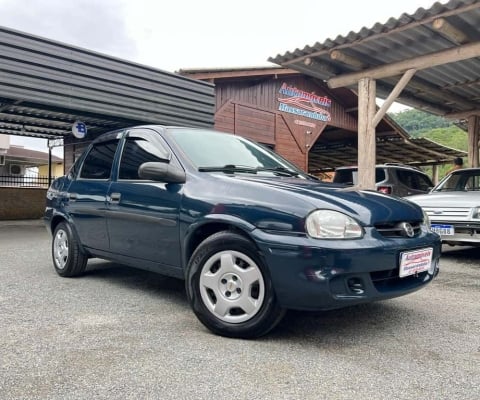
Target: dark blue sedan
<point>251,234</point>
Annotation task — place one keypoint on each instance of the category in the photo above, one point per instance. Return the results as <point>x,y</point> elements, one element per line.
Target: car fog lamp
<point>328,224</point>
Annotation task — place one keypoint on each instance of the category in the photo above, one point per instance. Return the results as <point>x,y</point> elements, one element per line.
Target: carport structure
<point>45,86</point>
<point>428,60</point>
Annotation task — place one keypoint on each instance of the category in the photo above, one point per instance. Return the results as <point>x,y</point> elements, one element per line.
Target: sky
<point>185,34</point>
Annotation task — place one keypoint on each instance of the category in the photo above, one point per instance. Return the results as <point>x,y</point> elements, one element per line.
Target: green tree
<point>437,129</point>
<point>417,123</point>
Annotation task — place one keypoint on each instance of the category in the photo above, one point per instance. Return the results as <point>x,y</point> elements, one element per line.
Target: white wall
<point>4,143</point>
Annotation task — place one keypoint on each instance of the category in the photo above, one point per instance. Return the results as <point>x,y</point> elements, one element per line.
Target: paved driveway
<point>117,333</point>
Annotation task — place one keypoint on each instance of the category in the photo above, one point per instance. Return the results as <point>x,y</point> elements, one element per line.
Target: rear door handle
<point>114,198</point>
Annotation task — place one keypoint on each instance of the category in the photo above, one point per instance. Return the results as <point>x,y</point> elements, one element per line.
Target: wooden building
<point>306,122</point>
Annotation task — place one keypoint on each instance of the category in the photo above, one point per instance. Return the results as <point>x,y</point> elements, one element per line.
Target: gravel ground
<point>118,333</point>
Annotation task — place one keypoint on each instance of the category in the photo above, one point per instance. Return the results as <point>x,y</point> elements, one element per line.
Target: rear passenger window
<point>99,160</point>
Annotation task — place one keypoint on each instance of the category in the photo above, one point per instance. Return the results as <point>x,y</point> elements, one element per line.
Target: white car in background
<point>453,207</point>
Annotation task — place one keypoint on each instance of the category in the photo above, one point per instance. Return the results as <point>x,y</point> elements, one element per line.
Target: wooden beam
<point>236,73</point>
<point>338,55</point>
<point>319,66</point>
<point>393,96</point>
<point>462,84</point>
<point>410,101</point>
<point>453,33</point>
<point>444,94</point>
<point>457,53</point>
<point>331,160</point>
<point>366,133</point>
<point>312,71</point>
<point>462,114</point>
<point>473,138</point>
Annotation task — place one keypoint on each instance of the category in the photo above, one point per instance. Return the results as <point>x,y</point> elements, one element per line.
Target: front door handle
<point>114,198</point>
<point>72,196</point>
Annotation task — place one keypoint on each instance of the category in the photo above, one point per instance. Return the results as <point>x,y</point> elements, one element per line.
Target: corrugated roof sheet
<point>444,89</point>
<point>46,85</point>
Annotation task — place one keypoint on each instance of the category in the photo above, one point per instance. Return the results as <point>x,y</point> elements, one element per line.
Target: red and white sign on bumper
<point>413,262</point>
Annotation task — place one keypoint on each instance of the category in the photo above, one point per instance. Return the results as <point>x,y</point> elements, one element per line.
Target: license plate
<point>444,230</point>
<point>413,262</point>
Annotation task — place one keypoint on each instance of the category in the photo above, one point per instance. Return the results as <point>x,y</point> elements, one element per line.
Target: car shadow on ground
<point>136,279</point>
<point>341,326</point>
<point>461,253</point>
<point>364,322</point>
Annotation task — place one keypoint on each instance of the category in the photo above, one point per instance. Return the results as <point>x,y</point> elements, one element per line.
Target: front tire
<point>68,258</point>
<point>229,287</point>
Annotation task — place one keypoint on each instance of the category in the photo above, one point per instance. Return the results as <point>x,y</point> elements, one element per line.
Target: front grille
<point>389,280</point>
<point>449,213</point>
<point>398,229</point>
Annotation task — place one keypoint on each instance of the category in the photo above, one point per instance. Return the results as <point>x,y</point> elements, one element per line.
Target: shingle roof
<point>28,155</point>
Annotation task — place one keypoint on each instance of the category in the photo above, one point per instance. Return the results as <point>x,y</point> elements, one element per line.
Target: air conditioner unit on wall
<point>16,169</point>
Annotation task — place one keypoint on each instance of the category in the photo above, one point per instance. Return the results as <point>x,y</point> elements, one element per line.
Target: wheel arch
<point>200,231</point>
<point>58,219</point>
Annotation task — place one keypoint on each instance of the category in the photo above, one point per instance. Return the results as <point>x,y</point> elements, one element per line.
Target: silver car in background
<point>453,207</point>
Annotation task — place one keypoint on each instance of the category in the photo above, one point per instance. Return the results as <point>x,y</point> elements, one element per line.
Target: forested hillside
<point>440,130</point>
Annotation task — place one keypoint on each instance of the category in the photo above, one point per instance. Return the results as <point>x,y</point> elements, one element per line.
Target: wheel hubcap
<point>232,286</point>
<point>60,249</point>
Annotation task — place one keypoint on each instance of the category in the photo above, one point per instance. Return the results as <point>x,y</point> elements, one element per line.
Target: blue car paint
<point>307,273</point>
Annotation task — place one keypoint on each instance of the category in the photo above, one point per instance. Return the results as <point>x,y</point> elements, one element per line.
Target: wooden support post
<point>473,138</point>
<point>366,133</point>
<point>435,174</point>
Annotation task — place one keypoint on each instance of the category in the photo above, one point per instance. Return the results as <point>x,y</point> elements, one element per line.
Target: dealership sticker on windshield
<point>413,262</point>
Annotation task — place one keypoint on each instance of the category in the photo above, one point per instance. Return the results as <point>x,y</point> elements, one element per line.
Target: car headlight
<point>328,224</point>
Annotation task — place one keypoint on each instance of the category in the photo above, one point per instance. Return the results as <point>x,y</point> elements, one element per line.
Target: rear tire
<point>68,258</point>
<point>229,287</point>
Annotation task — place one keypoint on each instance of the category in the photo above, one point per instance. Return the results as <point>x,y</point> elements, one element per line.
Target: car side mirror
<point>162,172</point>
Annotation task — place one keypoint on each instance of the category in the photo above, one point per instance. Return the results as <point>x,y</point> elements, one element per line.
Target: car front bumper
<point>466,233</point>
<point>315,274</point>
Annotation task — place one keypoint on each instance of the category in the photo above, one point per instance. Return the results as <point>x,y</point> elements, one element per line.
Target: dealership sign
<point>303,103</point>
<point>79,129</point>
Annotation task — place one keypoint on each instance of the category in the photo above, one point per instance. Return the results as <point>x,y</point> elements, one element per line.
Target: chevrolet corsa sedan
<point>250,234</point>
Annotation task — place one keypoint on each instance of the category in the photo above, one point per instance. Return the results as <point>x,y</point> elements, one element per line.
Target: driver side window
<point>141,147</point>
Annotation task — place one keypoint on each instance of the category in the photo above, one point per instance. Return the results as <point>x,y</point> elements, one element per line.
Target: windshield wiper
<point>278,170</point>
<point>229,169</point>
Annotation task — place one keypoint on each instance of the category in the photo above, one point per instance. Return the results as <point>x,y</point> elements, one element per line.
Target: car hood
<point>447,199</point>
<point>300,197</point>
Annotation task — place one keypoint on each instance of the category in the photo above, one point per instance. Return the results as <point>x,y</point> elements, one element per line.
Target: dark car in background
<point>250,234</point>
<point>394,179</point>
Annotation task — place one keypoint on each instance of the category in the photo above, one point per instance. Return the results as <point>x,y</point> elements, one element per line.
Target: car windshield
<point>212,151</point>
<point>468,180</point>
